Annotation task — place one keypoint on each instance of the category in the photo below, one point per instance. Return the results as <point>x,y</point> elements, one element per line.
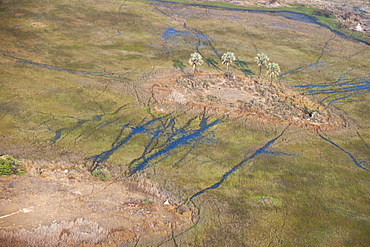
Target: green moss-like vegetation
<point>10,166</point>
<point>102,174</point>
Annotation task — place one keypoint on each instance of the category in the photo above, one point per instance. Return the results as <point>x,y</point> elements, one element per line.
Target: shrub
<point>102,174</point>
<point>10,166</point>
<point>321,12</point>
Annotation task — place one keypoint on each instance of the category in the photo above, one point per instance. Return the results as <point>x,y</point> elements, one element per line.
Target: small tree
<point>195,60</point>
<point>261,60</point>
<point>228,58</point>
<point>273,70</point>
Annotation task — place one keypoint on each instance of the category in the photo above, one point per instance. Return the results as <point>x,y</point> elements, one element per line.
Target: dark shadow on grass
<point>178,65</point>
<point>80,72</point>
<point>243,67</point>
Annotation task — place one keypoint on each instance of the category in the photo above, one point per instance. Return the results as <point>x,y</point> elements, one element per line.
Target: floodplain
<point>96,85</point>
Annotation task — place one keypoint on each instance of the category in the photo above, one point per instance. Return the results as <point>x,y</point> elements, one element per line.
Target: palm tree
<point>273,70</point>
<point>195,60</point>
<point>228,58</point>
<point>261,60</point>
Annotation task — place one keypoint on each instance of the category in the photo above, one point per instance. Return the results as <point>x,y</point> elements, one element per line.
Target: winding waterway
<point>174,138</point>
<point>283,13</point>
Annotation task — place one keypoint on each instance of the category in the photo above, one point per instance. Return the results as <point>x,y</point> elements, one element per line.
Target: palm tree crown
<point>228,58</point>
<point>273,70</point>
<point>195,60</point>
<point>261,60</point>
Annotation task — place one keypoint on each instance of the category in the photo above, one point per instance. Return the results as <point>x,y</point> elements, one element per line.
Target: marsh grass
<point>276,194</point>
<point>314,197</point>
<point>316,14</point>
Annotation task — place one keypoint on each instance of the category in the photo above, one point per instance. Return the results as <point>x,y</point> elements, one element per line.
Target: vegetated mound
<point>59,205</point>
<point>241,97</point>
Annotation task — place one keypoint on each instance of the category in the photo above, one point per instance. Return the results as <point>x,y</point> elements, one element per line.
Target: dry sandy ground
<point>58,206</point>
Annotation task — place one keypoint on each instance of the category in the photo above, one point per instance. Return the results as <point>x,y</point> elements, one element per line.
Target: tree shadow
<point>178,65</point>
<point>212,63</point>
<point>243,67</point>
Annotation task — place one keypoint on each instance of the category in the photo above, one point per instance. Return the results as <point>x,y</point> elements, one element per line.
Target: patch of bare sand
<point>67,207</point>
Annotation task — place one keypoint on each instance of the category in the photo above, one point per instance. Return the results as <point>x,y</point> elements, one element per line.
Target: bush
<point>321,12</point>
<point>10,166</point>
<point>102,174</point>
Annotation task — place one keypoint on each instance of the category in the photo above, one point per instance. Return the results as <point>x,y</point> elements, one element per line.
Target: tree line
<point>262,60</point>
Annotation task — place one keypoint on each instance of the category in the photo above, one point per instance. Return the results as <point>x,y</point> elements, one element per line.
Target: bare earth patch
<point>37,24</point>
<point>67,207</point>
<point>240,97</point>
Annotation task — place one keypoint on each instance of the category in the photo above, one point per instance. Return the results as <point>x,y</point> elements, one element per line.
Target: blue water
<point>340,98</point>
<point>355,162</point>
<point>98,117</point>
<point>18,26</point>
<point>297,17</point>
<point>344,75</point>
<point>233,169</point>
<point>57,136</point>
<point>197,39</point>
<point>159,130</point>
<point>348,87</point>
<point>172,33</point>
<point>179,138</point>
<point>120,141</point>
<point>286,14</point>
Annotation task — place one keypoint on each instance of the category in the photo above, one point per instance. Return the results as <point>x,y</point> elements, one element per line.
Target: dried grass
<point>142,184</point>
<point>65,233</point>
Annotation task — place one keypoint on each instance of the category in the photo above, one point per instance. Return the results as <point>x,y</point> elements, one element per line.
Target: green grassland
<point>69,85</point>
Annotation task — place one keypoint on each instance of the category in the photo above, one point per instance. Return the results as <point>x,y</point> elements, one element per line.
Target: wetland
<point>125,146</point>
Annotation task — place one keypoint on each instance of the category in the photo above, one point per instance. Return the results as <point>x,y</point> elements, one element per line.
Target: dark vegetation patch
<point>10,166</point>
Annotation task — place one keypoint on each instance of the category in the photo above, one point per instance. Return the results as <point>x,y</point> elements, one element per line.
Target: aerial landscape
<point>185,123</point>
